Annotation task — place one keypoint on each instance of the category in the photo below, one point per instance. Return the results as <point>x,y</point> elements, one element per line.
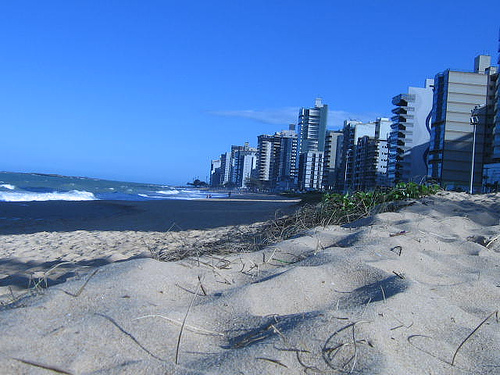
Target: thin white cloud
<point>280,116</point>
<point>289,115</point>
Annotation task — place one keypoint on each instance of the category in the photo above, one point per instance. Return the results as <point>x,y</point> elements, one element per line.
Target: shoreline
<point>157,215</point>
<point>56,240</point>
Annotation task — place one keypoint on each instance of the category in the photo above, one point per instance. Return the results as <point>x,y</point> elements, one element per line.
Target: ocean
<point>27,187</point>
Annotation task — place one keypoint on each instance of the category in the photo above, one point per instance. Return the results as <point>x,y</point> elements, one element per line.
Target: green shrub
<point>338,209</point>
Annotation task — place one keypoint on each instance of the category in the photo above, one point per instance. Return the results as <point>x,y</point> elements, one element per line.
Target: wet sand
<point>159,216</point>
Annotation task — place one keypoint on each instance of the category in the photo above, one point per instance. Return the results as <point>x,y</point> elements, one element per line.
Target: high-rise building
<point>215,173</point>
<point>371,157</point>
<point>234,168</point>
<point>311,145</point>
<point>286,159</point>
<point>311,170</point>
<point>370,169</point>
<point>333,157</point>
<point>410,134</point>
<point>365,164</point>
<point>225,168</point>
<point>248,168</point>
<point>364,153</point>
<point>265,156</point>
<point>243,164</point>
<point>491,170</point>
<point>456,93</point>
<point>276,159</point>
<point>351,131</point>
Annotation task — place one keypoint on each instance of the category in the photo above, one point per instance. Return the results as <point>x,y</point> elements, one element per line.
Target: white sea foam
<point>150,196</point>
<point>168,192</point>
<point>8,186</point>
<point>73,195</point>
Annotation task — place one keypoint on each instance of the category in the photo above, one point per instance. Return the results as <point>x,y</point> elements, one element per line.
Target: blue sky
<point>151,91</point>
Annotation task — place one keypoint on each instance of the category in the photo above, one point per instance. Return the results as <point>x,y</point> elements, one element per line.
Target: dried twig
<point>191,328</point>
<point>272,360</point>
<point>82,287</point>
<point>470,335</point>
<point>183,325</point>
<point>201,286</point>
<point>400,275</point>
<point>400,233</point>
<point>44,366</point>
<point>131,336</point>
<point>490,242</point>
<point>397,250</point>
<point>383,293</point>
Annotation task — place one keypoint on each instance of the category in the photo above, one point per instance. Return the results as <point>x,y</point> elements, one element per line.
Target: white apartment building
<point>311,142</point>
<point>410,134</point>
<point>364,152</point>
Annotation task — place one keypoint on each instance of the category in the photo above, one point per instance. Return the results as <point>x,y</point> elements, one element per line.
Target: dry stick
<point>398,233</point>
<point>194,329</point>
<point>355,355</point>
<point>474,331</point>
<point>400,275</point>
<point>44,366</point>
<point>410,338</point>
<point>184,289</point>
<point>131,336</point>
<point>273,361</point>
<point>327,351</point>
<point>271,257</point>
<point>46,273</point>
<point>183,324</point>
<point>201,286</point>
<point>306,367</point>
<point>383,293</point>
<point>82,287</point>
<point>397,250</point>
<point>491,241</point>
<point>12,293</point>
<point>366,306</point>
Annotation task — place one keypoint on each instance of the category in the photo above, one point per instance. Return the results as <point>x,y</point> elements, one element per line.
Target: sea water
<point>25,187</point>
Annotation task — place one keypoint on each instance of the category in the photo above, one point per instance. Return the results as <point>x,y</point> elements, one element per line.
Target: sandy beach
<point>416,291</point>
<point>67,237</point>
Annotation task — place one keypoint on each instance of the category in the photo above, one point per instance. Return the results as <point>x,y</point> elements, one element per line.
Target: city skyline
<point>152,93</point>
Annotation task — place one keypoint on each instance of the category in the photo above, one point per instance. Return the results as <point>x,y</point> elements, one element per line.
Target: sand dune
<point>407,292</point>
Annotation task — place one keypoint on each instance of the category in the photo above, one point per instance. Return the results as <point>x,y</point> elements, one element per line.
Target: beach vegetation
<point>316,209</point>
<point>339,209</point>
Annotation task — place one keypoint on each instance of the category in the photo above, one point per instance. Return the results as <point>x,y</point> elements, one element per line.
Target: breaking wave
<point>27,196</point>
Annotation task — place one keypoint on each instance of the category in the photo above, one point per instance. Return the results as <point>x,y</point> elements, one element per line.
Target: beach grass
<point>316,209</point>
<point>339,209</point>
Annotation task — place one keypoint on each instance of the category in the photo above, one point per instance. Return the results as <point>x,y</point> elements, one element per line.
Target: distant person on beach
<point>229,195</point>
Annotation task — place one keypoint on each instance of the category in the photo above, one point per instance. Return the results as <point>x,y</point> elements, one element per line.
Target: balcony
<point>398,118</point>
<point>399,110</point>
<point>403,99</point>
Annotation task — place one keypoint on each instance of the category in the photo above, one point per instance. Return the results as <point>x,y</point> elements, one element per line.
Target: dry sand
<point>407,292</point>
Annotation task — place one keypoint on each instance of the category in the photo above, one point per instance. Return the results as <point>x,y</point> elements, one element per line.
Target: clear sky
<point>151,91</point>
